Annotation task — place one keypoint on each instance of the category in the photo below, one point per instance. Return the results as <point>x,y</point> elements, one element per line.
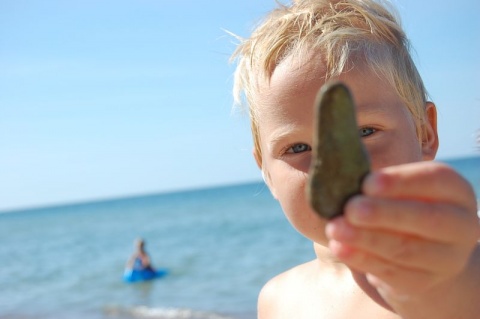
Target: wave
<point>143,312</point>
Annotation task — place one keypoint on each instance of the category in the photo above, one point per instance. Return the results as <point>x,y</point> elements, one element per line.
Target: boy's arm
<point>414,234</point>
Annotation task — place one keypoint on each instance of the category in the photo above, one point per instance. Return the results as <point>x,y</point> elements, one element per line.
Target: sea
<point>220,246</point>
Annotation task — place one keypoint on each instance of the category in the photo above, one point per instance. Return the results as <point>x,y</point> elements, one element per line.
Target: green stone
<point>339,159</point>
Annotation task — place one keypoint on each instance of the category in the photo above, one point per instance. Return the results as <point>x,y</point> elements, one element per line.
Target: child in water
<point>140,260</point>
<point>407,247</point>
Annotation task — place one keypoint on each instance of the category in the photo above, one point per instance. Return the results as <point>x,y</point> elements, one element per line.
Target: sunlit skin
<point>411,234</point>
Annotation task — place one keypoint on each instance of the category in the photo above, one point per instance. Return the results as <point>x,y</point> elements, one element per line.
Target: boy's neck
<point>326,258</point>
<point>327,261</point>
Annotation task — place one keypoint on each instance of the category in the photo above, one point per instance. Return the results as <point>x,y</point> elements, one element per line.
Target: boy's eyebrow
<point>286,131</point>
<point>367,109</point>
<point>281,134</point>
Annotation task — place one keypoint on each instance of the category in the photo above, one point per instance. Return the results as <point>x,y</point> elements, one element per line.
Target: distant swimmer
<point>139,267</point>
<point>140,260</point>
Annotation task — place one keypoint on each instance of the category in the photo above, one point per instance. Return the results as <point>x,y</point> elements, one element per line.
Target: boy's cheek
<point>303,218</point>
<point>389,153</point>
<point>380,157</point>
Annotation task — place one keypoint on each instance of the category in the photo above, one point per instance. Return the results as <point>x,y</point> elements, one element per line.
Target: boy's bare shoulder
<point>306,291</point>
<point>283,281</point>
<point>281,293</point>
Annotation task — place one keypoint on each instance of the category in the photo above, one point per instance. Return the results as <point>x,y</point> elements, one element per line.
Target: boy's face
<point>286,130</point>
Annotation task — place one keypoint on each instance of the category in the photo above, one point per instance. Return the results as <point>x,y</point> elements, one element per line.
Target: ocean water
<point>221,245</point>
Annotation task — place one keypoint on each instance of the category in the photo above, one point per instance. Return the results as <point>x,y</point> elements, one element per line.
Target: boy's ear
<point>430,140</point>
<point>266,177</point>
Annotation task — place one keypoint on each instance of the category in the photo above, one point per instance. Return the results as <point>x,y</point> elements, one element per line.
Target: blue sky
<point>104,99</point>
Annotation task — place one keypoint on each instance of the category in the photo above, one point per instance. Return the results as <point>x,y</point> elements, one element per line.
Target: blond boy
<point>408,246</point>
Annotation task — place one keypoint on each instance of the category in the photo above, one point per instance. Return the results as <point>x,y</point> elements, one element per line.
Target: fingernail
<point>373,184</point>
<point>339,229</point>
<point>359,210</point>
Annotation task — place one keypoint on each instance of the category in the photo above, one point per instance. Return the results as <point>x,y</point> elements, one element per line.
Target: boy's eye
<point>298,148</point>
<point>366,131</point>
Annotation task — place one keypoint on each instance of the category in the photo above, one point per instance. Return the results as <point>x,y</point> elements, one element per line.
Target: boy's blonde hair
<point>344,33</point>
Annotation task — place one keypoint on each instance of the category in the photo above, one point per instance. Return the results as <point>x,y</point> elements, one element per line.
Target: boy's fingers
<point>402,250</point>
<point>439,222</point>
<point>405,280</point>
<point>427,181</point>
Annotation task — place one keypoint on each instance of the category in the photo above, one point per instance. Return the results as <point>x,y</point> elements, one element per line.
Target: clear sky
<point>104,99</point>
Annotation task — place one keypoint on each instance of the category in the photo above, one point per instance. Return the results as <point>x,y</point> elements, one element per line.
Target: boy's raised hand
<point>414,234</point>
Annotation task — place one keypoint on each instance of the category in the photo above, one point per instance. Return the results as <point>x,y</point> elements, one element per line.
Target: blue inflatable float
<point>135,275</point>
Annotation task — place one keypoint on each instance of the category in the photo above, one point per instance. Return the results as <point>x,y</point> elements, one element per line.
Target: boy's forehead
<point>300,81</point>
<point>293,78</point>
